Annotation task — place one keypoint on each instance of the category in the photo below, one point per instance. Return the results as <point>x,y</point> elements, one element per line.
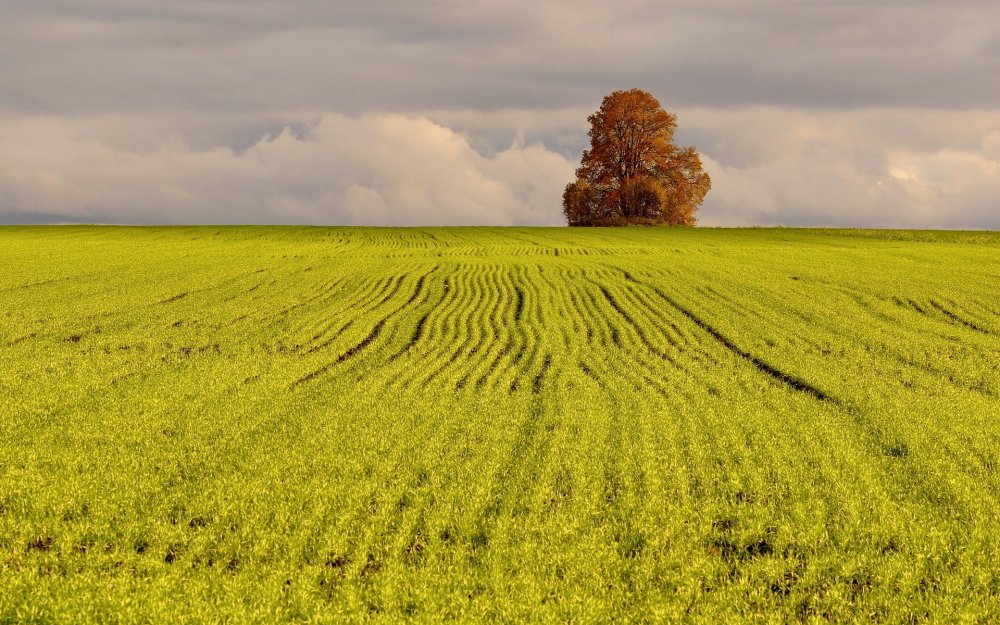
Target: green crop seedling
<point>498,425</point>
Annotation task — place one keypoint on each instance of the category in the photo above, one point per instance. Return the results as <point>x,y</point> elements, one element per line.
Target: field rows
<point>505,424</point>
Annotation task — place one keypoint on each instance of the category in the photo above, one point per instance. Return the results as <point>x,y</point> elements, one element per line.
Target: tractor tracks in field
<point>526,323</point>
<point>31,285</point>
<point>457,322</point>
<point>492,323</point>
<point>418,333</point>
<point>326,292</point>
<point>175,298</point>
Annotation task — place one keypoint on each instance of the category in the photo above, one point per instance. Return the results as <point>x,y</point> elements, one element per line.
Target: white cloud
<point>376,169</point>
<point>870,167</point>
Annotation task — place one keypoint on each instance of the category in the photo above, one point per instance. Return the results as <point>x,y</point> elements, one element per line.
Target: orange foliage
<point>633,172</point>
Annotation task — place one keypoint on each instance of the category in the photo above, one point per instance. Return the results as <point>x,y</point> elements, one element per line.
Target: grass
<point>504,425</point>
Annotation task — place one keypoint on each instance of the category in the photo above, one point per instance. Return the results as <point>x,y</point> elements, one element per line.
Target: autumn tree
<point>633,172</point>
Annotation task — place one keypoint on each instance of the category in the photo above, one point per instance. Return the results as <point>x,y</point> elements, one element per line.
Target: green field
<point>499,425</point>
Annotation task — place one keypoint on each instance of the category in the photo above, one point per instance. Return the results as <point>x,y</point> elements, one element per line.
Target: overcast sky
<point>405,112</point>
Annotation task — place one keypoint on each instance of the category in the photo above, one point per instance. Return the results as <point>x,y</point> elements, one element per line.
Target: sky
<point>880,113</point>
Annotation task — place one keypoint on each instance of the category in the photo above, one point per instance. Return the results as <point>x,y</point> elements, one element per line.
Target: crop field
<point>499,425</point>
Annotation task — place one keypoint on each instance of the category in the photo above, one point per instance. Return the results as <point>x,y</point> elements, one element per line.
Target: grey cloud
<point>395,56</point>
<point>807,111</point>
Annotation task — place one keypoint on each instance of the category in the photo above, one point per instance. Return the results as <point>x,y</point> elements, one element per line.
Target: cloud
<point>769,166</point>
<point>877,168</point>
<point>108,55</point>
<point>377,169</point>
<point>385,111</point>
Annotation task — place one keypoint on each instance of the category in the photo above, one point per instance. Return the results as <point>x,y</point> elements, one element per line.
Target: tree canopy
<point>633,173</point>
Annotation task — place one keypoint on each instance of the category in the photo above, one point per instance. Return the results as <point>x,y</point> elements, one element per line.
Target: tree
<point>633,172</point>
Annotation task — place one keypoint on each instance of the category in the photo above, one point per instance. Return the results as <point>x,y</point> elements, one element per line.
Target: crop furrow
<point>487,300</point>
<point>175,298</point>
<point>677,339</point>
<point>413,297</point>
<point>619,361</point>
<point>324,293</point>
<point>587,371</point>
<point>329,340</point>
<point>418,332</point>
<point>643,338</point>
<point>527,328</point>
<point>959,320</point>
<point>462,324</point>
<point>420,286</point>
<point>520,469</point>
<point>21,339</point>
<point>350,353</point>
<point>502,328</point>
<point>537,382</point>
